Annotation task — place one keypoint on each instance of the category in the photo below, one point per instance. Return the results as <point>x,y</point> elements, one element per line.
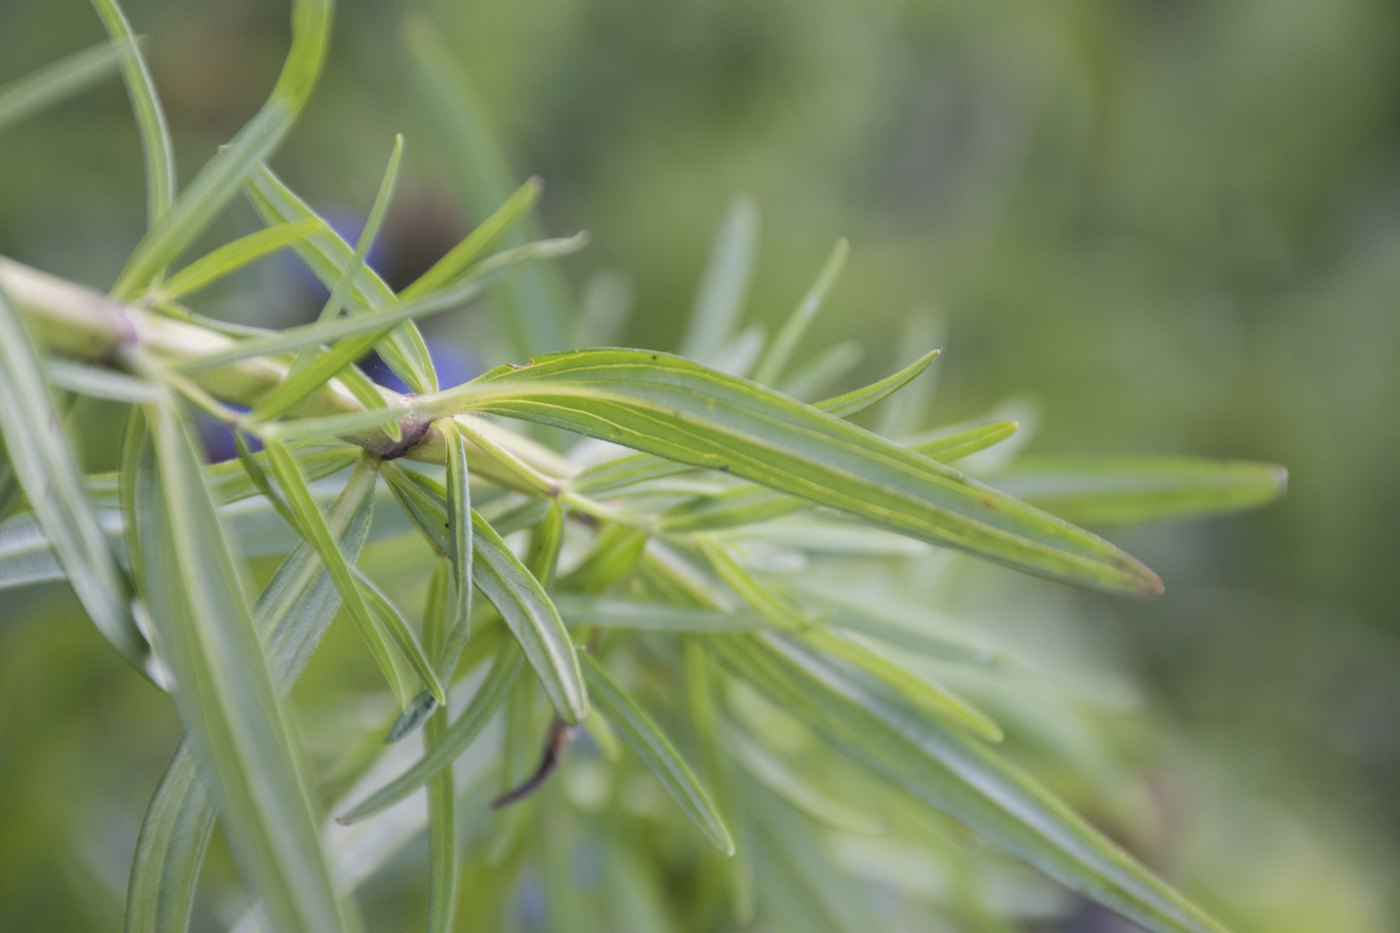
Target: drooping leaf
<point>644,737</point>
<point>509,586</point>
<point>532,618</point>
<point>378,626</point>
<point>680,410</point>
<point>460,525</point>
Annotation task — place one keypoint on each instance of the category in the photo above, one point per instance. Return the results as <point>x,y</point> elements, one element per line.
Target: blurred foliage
<point>1175,225</point>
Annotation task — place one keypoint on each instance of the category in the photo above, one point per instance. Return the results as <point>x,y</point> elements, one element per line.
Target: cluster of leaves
<point>666,570</point>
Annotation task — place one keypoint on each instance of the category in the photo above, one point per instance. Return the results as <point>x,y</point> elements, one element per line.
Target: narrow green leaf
<point>509,586</point>
<point>294,611</point>
<point>220,179</point>
<point>543,555</point>
<point>326,254</point>
<point>780,350</point>
<point>1133,491</point>
<point>922,693</point>
<point>444,863</point>
<point>630,469</point>
<point>532,619</point>
<point>969,781</point>
<point>398,628</point>
<point>582,611</point>
<point>150,118</point>
<point>720,300</point>
<point>233,256</point>
<point>822,368</point>
<point>42,461</point>
<point>170,850</point>
<point>858,400</point>
<point>673,408</point>
<point>950,448</point>
<point>312,525</point>
<point>534,309</point>
<point>34,92</point>
<point>454,740</point>
<point>225,691</point>
<point>615,555</point>
<point>644,737</point>
<point>460,525</point>
<point>326,366</point>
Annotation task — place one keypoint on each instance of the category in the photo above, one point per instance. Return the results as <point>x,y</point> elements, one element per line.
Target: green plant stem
<point>77,322</point>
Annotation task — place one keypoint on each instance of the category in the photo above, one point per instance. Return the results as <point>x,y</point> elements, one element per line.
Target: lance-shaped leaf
<point>460,525</point>
<point>644,737</point>
<point>1132,491</point>
<point>637,468</point>
<point>233,256</point>
<point>746,505</point>
<point>42,462</point>
<point>509,586</point>
<point>294,610</point>
<point>680,410</point>
<point>532,619</point>
<point>224,689</point>
<point>443,857</point>
<point>967,780</point>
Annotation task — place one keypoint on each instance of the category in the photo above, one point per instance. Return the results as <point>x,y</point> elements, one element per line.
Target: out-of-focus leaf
<point>1133,491</point>
<point>159,151</point>
<point>100,382</point>
<point>969,781</point>
<point>43,463</point>
<point>32,93</point>
<point>680,410</point>
<point>222,177</point>
<point>443,858</point>
<point>225,691</point>
<point>780,350</point>
<point>644,737</point>
<point>453,741</point>
<point>720,300</point>
<point>581,611</point>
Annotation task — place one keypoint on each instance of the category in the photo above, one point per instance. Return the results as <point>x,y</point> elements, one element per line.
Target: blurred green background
<point>1161,227</point>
